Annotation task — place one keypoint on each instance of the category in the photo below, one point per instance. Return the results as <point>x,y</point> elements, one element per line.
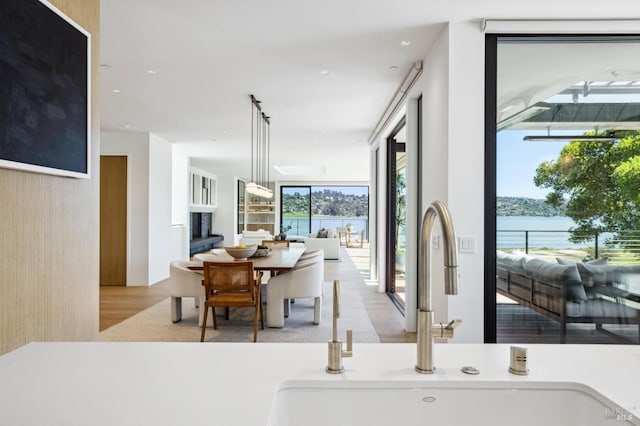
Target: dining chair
<point>231,284</point>
<point>343,235</point>
<point>276,244</point>
<point>303,281</point>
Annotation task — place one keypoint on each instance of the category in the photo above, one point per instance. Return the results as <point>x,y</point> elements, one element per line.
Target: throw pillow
<point>566,275</point>
<point>593,275</point>
<point>323,233</point>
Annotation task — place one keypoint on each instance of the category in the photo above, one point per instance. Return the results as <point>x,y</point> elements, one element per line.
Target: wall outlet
<point>435,242</point>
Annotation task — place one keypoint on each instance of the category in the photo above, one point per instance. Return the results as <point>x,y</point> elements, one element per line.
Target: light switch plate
<point>466,244</point>
<point>435,242</point>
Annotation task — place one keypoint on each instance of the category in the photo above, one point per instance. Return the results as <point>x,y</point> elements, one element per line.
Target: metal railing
<point>620,246</point>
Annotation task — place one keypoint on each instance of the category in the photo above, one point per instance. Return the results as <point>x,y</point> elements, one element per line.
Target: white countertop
<point>111,383</point>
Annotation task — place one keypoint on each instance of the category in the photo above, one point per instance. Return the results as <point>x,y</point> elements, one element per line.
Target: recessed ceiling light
<point>152,72</point>
<point>127,126</point>
<point>116,90</point>
<point>105,66</point>
<point>405,43</point>
<point>324,72</point>
<point>393,67</point>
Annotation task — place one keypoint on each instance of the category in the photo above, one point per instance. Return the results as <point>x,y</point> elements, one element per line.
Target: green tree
<point>401,204</point>
<point>598,181</point>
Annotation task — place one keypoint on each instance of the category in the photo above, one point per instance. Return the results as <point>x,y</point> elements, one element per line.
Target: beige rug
<point>154,324</point>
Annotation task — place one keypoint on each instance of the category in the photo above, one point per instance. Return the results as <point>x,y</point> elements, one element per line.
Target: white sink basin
<point>407,403</point>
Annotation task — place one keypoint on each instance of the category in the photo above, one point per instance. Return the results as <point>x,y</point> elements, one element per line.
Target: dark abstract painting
<point>44,97</point>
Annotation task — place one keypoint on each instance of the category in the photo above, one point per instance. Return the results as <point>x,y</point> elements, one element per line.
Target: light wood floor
<point>119,303</point>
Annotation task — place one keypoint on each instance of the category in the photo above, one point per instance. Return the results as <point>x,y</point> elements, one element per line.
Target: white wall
<point>162,249</point>
<point>136,147</point>
<point>452,163</point>
<point>151,240</point>
<point>434,84</point>
<point>466,172</point>
<point>224,217</point>
<point>180,197</point>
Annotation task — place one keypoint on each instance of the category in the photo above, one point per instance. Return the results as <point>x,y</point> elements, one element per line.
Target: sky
<point>517,161</point>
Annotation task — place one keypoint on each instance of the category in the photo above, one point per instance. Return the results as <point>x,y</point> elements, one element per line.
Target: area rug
<point>154,324</point>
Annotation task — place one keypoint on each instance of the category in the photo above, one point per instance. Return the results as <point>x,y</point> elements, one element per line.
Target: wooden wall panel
<point>49,236</point>
<point>113,220</point>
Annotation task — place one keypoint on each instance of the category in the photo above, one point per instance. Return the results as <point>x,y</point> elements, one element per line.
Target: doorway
<point>396,215</point>
<point>113,220</point>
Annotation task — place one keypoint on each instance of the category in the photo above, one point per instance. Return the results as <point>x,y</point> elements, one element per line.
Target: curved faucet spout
<point>426,328</point>
<point>437,209</point>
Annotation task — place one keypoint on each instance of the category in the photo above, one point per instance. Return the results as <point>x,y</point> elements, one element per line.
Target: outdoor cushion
<point>553,273</point>
<point>323,233</point>
<point>600,308</point>
<point>593,275</point>
<point>601,261</point>
<point>509,260</point>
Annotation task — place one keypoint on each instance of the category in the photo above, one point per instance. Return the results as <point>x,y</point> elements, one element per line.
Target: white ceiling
<point>211,54</point>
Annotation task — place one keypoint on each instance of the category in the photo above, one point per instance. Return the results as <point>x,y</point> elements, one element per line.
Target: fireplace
<point>202,239</point>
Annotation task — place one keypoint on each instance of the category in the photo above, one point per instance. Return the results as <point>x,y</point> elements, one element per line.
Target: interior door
<point>113,220</point>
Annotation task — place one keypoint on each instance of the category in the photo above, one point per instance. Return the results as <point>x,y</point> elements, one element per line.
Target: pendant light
<point>260,140</point>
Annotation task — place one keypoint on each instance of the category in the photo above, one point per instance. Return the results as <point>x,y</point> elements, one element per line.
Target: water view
<point>536,232</point>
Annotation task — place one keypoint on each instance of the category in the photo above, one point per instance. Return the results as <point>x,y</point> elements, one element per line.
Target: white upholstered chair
<point>184,282</point>
<point>304,280</point>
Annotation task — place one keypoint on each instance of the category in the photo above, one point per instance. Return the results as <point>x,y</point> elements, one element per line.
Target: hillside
<point>326,203</point>
<point>519,206</point>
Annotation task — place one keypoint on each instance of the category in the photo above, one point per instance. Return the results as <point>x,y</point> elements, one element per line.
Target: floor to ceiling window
<point>396,214</point>
<point>295,210</point>
<point>308,208</point>
<point>563,172</point>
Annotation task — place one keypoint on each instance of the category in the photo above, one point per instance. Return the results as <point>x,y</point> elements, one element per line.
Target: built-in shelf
<point>261,215</point>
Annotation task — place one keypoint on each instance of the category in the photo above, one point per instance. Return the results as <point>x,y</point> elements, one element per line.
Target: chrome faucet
<point>427,330</point>
<point>335,346</point>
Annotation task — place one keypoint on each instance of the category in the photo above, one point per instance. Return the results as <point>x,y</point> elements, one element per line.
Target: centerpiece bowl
<point>241,253</point>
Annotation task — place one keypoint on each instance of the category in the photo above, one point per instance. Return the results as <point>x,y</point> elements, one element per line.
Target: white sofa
<point>255,237</point>
<point>330,245</point>
<point>304,280</point>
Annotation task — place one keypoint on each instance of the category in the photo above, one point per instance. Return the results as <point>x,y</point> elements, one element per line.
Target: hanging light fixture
<point>260,140</point>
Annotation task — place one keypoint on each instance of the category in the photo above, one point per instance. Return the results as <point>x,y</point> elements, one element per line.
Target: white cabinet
<point>203,191</point>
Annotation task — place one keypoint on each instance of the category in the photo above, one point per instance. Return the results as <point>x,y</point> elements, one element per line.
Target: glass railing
<point>300,225</point>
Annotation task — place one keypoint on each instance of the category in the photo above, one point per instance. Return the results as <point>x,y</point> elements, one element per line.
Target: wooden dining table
<point>278,260</point>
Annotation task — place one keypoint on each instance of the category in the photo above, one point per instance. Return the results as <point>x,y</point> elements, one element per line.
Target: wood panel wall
<point>113,220</point>
<point>49,236</point>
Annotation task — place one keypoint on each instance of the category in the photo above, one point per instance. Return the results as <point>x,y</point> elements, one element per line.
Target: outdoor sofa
<point>571,292</point>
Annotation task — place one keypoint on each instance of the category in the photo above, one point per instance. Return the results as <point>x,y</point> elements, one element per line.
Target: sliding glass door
<point>563,172</point>
<point>396,215</point>
<point>337,208</point>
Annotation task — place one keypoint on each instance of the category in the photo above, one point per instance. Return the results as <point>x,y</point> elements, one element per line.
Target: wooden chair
<point>343,235</point>
<point>276,244</point>
<point>232,284</point>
